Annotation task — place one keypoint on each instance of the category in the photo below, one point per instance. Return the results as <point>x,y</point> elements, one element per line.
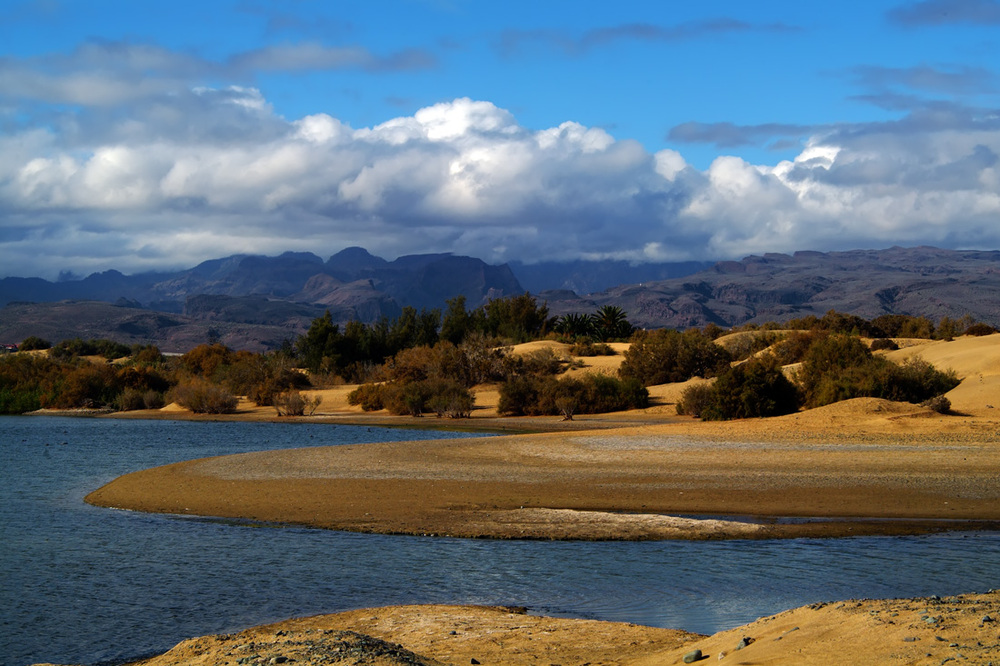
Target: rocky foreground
<point>962,629</point>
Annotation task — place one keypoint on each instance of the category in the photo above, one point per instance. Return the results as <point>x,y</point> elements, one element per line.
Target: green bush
<point>19,401</point>
<point>754,389</point>
<point>793,348</point>
<point>980,329</point>
<point>695,399</point>
<point>840,367</point>
<point>25,380</point>
<point>109,349</point>
<point>665,356</point>
<point>591,394</point>
<point>448,398</point>
<point>883,344</point>
<point>32,343</point>
<point>744,345</point>
<point>444,397</point>
<point>147,355</point>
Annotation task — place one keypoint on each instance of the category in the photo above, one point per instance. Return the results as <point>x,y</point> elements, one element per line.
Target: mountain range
<point>257,302</point>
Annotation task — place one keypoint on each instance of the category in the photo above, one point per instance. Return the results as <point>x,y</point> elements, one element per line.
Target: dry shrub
<point>368,396</point>
<point>938,403</point>
<point>588,348</point>
<point>293,403</point>
<point>204,398</point>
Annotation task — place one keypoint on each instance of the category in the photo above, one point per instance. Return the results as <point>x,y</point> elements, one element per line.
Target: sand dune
<point>963,629</point>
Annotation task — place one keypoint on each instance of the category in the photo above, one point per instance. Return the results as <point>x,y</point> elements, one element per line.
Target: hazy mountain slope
<point>777,287</point>
<point>257,302</point>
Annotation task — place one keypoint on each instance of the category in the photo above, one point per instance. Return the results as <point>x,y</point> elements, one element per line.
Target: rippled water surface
<point>86,585</point>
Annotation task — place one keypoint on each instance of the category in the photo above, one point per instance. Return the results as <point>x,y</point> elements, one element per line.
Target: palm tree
<point>575,325</point>
<point>611,323</point>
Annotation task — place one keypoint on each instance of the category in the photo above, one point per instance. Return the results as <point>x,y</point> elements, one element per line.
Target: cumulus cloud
<point>214,171</point>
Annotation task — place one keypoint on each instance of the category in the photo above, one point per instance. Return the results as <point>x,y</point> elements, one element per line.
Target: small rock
<point>692,656</point>
<point>987,618</point>
<point>473,661</point>
<point>722,655</point>
<point>745,641</point>
<point>910,639</point>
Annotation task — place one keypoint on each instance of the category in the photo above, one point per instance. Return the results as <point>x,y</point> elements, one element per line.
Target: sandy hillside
<point>976,360</point>
<point>963,629</point>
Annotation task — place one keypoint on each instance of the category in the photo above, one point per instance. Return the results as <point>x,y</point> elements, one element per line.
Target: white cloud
<point>210,172</point>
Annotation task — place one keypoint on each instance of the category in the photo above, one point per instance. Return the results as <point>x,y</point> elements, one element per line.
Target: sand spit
<point>964,629</point>
<point>877,468</point>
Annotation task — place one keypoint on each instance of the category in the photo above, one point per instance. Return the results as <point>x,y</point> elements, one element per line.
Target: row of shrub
<point>834,367</point>
<point>29,382</point>
<point>538,395</point>
<point>463,348</point>
<point>444,397</point>
<point>882,326</point>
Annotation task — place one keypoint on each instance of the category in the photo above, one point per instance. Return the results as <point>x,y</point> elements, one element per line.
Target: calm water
<point>88,585</point>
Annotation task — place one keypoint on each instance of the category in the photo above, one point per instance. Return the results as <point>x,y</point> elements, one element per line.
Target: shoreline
<point>599,482</point>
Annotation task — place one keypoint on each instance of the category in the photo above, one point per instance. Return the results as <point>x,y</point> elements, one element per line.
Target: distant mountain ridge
<point>417,280</point>
<point>919,281</point>
<point>257,302</point>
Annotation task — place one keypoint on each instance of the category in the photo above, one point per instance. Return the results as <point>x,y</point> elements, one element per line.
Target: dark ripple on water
<point>84,584</point>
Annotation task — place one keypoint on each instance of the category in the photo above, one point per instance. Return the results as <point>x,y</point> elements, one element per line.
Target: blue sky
<point>143,136</point>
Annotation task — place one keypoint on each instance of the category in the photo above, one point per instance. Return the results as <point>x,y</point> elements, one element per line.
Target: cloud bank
<point>195,173</point>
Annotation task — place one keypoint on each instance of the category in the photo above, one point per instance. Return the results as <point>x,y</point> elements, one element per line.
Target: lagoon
<point>90,585</point>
